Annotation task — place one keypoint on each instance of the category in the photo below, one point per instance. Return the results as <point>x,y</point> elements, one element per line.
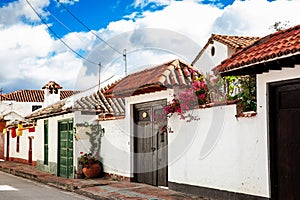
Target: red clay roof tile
<point>274,46</point>
<point>33,95</point>
<point>52,85</point>
<point>167,75</point>
<point>234,42</point>
<point>96,102</point>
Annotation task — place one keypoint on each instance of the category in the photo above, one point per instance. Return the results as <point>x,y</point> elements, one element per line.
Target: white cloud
<point>144,3</point>
<point>14,11</point>
<point>71,2</point>
<point>29,54</point>
<point>189,18</point>
<point>254,17</point>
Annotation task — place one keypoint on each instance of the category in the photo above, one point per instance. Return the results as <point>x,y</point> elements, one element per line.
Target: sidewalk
<point>101,188</point>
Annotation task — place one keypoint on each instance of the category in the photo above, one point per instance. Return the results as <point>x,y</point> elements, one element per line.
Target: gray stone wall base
<point>50,168</point>
<point>212,193</point>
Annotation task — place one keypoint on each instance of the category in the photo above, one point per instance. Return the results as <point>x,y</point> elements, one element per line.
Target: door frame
<point>7,145</point>
<point>272,110</point>
<point>58,145</point>
<point>135,108</point>
<point>30,138</point>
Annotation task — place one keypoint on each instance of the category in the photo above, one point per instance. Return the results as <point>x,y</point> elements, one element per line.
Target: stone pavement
<point>100,188</point>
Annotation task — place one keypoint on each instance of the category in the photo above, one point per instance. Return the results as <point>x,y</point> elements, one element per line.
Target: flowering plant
<point>87,159</point>
<point>200,90</point>
<point>193,96</point>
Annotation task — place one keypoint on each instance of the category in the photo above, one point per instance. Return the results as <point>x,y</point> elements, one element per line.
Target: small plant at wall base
<point>86,159</point>
<point>92,166</point>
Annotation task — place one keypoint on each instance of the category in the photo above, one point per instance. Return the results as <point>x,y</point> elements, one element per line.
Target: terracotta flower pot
<point>92,171</point>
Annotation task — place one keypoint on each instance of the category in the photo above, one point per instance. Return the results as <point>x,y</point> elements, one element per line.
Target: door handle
<point>153,149</point>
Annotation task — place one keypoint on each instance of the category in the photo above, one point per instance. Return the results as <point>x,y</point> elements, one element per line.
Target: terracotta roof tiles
<point>33,95</point>
<point>52,85</point>
<point>234,42</point>
<point>95,102</point>
<point>167,75</point>
<point>54,109</point>
<point>278,45</point>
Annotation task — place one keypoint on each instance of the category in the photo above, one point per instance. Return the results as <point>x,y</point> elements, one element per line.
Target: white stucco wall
<point>115,147</point>
<point>235,154</point>
<point>38,148</point>
<point>22,108</point>
<point>15,109</point>
<point>219,151</point>
<point>207,62</point>
<point>23,146</point>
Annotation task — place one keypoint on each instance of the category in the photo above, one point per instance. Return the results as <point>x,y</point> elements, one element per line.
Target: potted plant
<point>91,166</point>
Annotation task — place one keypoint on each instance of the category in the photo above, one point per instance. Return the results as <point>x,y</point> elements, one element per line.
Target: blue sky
<point>98,14</point>
<point>151,31</point>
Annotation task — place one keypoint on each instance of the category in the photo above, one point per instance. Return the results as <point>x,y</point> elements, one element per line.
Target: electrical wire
<point>77,19</point>
<point>53,32</point>
<point>61,23</point>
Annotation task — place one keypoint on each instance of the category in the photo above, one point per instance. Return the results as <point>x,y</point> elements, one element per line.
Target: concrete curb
<point>47,181</point>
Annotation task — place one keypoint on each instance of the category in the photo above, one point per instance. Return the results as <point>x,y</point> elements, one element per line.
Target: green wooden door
<point>65,153</point>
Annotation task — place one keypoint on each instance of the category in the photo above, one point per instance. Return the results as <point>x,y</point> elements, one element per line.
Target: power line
<point>64,25</point>
<point>44,22</point>
<point>77,19</point>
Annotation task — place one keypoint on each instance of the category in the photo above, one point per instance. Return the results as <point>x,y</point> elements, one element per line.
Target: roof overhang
<point>286,61</point>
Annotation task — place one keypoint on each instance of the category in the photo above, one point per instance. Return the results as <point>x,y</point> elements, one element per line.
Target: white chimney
<point>51,93</point>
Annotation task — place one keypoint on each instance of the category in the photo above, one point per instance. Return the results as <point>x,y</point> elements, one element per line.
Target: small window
<point>35,107</point>
<point>212,51</point>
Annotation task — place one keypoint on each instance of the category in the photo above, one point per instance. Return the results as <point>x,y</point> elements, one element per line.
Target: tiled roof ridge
<point>152,67</point>
<point>3,97</point>
<point>29,95</point>
<point>52,85</point>
<point>263,40</point>
<point>222,38</point>
<point>50,110</point>
<point>238,43</point>
<point>95,102</point>
<point>267,37</point>
<point>167,75</point>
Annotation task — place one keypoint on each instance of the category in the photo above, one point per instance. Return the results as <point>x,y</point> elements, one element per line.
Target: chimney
<point>51,93</point>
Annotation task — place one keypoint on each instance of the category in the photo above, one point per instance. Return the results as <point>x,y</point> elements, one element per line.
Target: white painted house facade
<point>218,48</point>
<point>272,135</point>
<point>14,107</point>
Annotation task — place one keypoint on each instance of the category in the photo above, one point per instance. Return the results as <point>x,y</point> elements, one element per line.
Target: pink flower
<point>202,96</point>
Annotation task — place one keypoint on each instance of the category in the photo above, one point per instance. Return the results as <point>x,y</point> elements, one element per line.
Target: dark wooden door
<point>285,139</point>
<point>150,144</point>
<point>7,145</point>
<point>30,150</point>
<point>65,153</point>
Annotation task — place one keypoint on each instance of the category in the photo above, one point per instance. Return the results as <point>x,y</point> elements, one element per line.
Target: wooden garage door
<point>285,139</point>
<point>150,144</point>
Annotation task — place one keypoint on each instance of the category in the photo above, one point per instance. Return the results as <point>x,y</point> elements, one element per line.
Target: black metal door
<point>285,139</point>
<point>150,144</point>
